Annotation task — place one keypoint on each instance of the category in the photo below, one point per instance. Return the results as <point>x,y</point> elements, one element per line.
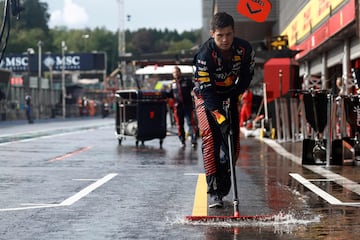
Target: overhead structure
<point>165,69</point>
<point>121,33</point>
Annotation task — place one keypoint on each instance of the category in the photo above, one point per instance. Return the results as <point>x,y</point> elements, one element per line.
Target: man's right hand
<point>219,117</point>
<point>222,122</point>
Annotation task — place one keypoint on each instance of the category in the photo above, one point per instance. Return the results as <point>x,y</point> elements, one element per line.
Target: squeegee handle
<point>231,158</point>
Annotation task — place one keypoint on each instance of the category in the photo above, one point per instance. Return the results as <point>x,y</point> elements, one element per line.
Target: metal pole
<point>330,130</point>
<point>280,133</point>
<point>283,112</point>
<point>49,63</point>
<point>63,48</point>
<point>85,36</point>
<point>39,59</point>
<point>29,51</point>
<point>277,116</point>
<point>232,160</point>
<point>265,103</point>
<point>265,120</point>
<point>39,78</point>
<point>51,91</point>
<point>122,43</point>
<point>121,33</point>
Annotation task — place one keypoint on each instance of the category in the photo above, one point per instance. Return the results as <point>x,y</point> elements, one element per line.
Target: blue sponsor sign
<point>71,62</point>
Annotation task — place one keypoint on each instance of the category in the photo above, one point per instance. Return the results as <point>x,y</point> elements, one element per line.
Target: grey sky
<point>159,14</point>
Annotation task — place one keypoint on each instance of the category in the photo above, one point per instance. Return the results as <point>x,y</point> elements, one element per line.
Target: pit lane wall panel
<point>276,85</point>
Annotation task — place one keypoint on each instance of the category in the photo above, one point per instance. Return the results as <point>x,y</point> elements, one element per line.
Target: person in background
<point>224,67</point>
<point>169,104</point>
<point>181,92</point>
<point>105,108</point>
<point>79,104</point>
<point>28,108</point>
<point>246,105</point>
<point>2,95</point>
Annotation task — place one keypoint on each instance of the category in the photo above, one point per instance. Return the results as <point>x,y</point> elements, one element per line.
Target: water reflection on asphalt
<point>265,187</point>
<point>149,154</point>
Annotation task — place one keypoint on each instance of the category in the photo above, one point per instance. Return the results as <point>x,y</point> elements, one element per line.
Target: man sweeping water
<point>224,69</point>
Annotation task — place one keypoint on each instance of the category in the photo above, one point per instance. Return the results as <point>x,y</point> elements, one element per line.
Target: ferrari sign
<point>257,10</point>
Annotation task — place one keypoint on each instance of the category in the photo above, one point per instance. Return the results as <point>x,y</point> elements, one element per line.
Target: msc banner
<point>54,62</point>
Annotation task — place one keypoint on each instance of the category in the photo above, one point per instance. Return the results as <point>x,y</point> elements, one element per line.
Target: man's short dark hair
<point>221,20</point>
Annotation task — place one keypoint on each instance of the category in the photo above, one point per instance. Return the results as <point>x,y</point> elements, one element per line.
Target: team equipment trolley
<point>141,114</point>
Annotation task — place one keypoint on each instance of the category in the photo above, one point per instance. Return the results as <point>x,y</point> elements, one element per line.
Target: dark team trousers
<point>215,150</point>
<point>182,113</point>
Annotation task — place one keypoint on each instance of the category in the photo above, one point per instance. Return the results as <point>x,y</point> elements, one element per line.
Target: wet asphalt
<point>70,179</point>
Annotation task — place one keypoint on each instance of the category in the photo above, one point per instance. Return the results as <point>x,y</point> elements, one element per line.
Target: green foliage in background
<point>33,27</point>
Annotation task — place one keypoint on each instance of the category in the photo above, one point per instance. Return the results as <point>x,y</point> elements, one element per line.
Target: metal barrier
<point>327,124</point>
<point>45,103</point>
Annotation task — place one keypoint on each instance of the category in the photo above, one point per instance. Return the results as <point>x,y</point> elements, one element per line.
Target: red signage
<point>330,27</point>
<point>257,10</point>
<point>16,81</point>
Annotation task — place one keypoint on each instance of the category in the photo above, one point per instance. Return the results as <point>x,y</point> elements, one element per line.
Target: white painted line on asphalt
<point>85,179</point>
<point>29,207</point>
<point>350,204</point>
<point>282,151</point>
<point>321,180</point>
<point>45,137</point>
<point>342,181</point>
<point>71,200</point>
<point>321,193</point>
<point>315,189</point>
<point>321,170</point>
<point>191,174</point>
<point>38,204</point>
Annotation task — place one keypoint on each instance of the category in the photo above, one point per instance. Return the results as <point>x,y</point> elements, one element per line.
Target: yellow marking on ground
<point>200,200</point>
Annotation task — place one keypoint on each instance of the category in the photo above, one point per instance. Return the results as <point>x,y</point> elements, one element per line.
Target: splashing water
<point>281,222</point>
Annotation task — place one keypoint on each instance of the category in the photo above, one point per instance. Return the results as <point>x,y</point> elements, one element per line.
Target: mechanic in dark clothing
<point>28,108</point>
<point>224,68</point>
<point>181,91</point>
